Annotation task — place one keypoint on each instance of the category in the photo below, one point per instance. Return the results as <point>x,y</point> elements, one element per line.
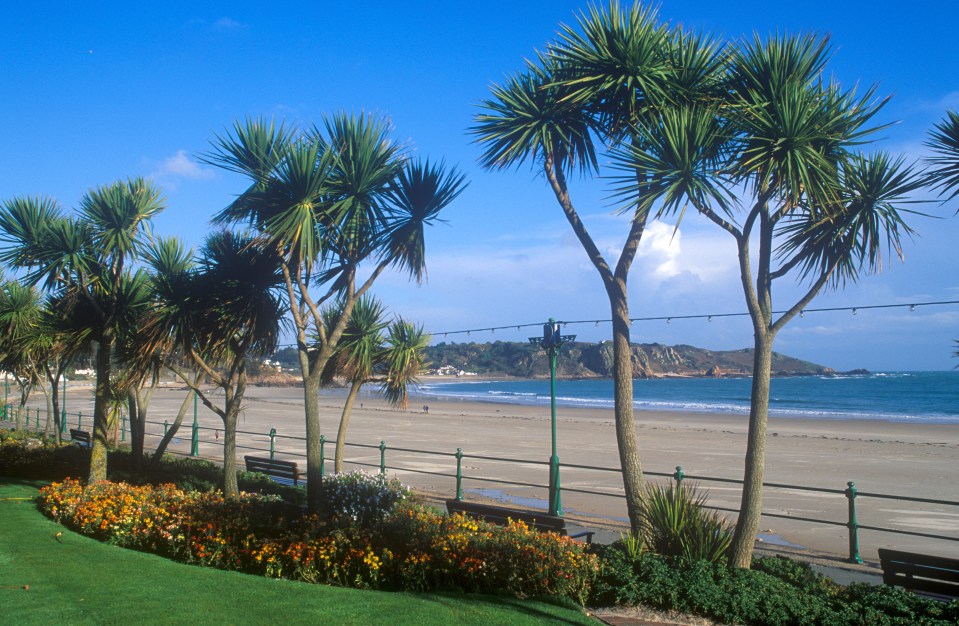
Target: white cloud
<point>180,167</point>
<point>228,25</point>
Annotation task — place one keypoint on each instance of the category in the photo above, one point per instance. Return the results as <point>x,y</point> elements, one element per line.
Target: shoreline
<point>644,404</point>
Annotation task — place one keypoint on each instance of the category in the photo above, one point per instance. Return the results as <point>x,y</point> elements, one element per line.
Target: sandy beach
<point>901,459</point>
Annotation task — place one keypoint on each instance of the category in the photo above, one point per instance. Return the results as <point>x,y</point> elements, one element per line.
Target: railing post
<point>272,442</point>
<point>382,457</point>
<point>123,427</point>
<point>679,476</point>
<point>322,456</point>
<point>166,427</point>
<point>459,473</point>
<point>79,420</point>
<point>853,524</point>
<point>37,423</point>
<point>63,422</point>
<point>195,439</point>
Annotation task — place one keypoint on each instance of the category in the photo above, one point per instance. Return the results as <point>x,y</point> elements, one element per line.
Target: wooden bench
<point>280,471</point>
<point>81,438</point>
<point>934,576</point>
<point>501,515</point>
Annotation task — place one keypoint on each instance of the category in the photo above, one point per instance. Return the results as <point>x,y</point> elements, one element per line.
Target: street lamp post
<point>551,342</point>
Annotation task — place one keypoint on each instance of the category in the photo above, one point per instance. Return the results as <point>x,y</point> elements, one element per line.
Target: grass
<point>76,580</point>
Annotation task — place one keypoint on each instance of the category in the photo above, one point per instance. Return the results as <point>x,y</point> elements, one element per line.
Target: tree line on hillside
<point>596,360</point>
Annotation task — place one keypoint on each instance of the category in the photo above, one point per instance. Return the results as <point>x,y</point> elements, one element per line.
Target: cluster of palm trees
<point>321,203</point>
<point>752,135</point>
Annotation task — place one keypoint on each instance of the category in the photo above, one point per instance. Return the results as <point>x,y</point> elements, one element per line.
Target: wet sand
<point>880,457</point>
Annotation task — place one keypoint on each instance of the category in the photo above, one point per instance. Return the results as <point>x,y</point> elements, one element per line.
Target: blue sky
<point>94,92</point>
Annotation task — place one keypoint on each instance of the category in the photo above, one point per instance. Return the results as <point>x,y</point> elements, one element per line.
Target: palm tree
<point>595,87</point>
<point>87,259</point>
<point>19,351</point>
<point>329,200</point>
<point>404,360</point>
<point>217,315</point>
<point>819,211</point>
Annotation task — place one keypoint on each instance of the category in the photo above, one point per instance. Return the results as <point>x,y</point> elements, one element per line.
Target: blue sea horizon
<point>920,397</point>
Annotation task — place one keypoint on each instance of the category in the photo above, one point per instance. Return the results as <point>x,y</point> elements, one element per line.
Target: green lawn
<point>77,580</point>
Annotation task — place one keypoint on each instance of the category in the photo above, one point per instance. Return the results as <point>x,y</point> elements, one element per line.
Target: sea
<point>916,397</point>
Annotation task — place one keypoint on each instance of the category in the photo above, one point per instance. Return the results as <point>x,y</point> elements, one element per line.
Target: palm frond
<point>944,141</point>
<point>851,235</point>
<point>420,191</point>
<point>529,119</point>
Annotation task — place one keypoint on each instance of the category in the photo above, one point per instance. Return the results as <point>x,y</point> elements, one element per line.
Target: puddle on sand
<point>500,496</point>
<point>777,540</point>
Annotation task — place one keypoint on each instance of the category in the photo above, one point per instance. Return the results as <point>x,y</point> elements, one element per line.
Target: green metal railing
<point>269,440</point>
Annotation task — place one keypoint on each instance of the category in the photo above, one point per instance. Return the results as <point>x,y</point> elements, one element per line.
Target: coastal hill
<point>591,360</point>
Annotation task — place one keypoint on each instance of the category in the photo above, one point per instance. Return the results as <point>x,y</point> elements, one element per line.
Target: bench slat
<point>274,468</point>
<point>920,572</point>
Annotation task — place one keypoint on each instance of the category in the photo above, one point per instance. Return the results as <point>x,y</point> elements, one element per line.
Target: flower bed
<point>408,547</point>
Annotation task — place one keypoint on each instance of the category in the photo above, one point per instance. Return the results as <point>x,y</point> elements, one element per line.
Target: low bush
<point>359,498</point>
<point>776,592</point>
<point>28,455</point>
<point>677,523</point>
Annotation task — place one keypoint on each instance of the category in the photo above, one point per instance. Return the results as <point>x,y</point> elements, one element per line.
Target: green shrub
<point>39,458</point>
<point>358,498</point>
<point>677,523</point>
<point>778,592</point>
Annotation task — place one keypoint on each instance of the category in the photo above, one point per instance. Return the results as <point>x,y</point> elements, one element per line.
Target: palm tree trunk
<point>751,506</point>
<point>174,427</point>
<point>137,428</point>
<point>101,403</point>
<point>629,456</point>
<point>311,405</point>
<point>344,421</point>
<point>55,405</point>
<point>230,487</point>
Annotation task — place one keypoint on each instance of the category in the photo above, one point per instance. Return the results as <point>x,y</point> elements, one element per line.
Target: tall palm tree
<point>596,85</point>
<point>217,314</point>
<point>88,258</point>
<point>819,211</point>
<point>329,200</point>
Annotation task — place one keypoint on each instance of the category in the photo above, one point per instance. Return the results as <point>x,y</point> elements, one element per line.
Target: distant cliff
<point>590,360</point>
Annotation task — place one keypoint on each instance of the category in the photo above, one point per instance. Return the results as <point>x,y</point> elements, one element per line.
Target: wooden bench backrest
<point>273,467</point>
<point>80,437</point>
<point>499,515</point>
<point>936,575</point>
